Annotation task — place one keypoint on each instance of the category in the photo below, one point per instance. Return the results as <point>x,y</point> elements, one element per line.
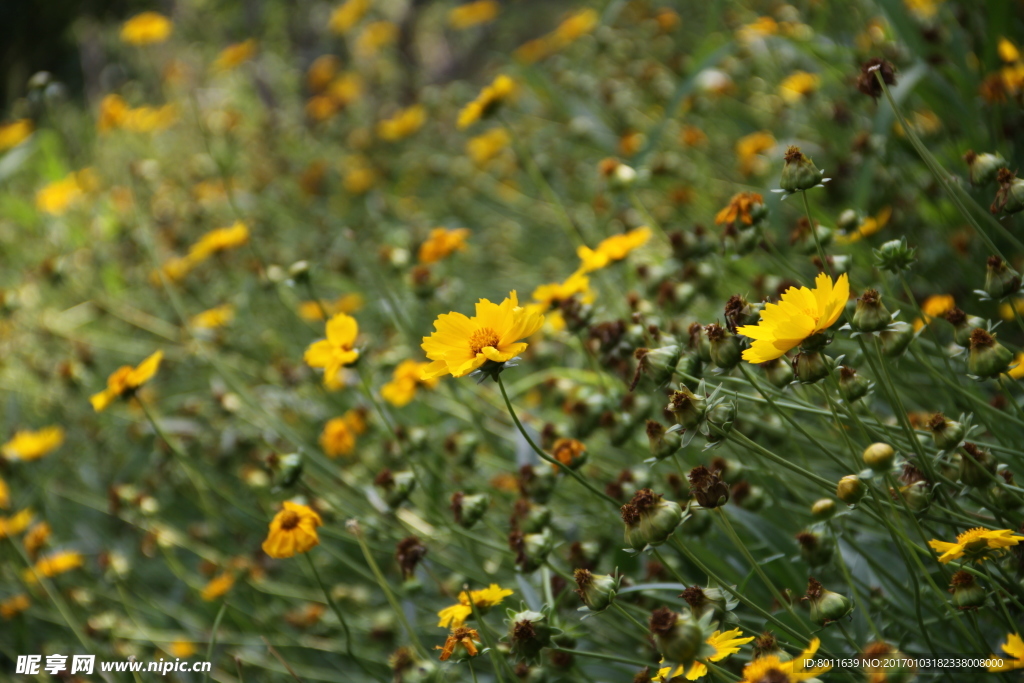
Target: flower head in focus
<point>125,380</point>
<point>724,644</point>
<point>483,599</point>
<point>293,530</point>
<point>975,544</point>
<point>771,667</point>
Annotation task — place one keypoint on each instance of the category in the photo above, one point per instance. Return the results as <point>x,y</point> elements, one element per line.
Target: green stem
<point>825,265</point>
<point>334,606</point>
<point>622,610</point>
<point>213,637</point>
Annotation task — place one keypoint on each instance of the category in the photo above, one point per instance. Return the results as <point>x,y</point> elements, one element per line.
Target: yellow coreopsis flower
<point>1016,370</point>
<point>486,146</point>
<point>798,85</point>
<point>473,14</point>
<point>1014,647</point>
<point>483,599</point>
<point>725,644</point>
<point>933,307</point>
<point>321,72</point>
<point>466,638</point>
<point>36,538</point>
<point>147,28</point>
<point>975,544</point>
<point>293,530</point>
<point>28,445</point>
<point>749,151</point>
<point>577,284</point>
<point>771,668</point>
<point>403,124</point>
<point>924,9</point>
<point>347,303</point>
<point>338,437</point>
<point>574,27</point>
<point>406,378</point>
<point>125,380</point>
<point>800,314</point>
<point>213,318</point>
<point>337,350</point>
<point>614,248</point>
<point>14,133</point>
<point>235,55</point>
<point>57,197</point>
<point>459,344</point>
<point>487,102</point>
<point>375,36</point>
<point>52,565</point>
<point>181,649</point>
<point>442,243</point>
<point>218,586</point>
<point>869,226</point>
<point>1008,52</point>
<point>757,29</point>
<point>13,606</point>
<point>740,208</point>
<point>347,15</point>
<point>15,524</point>
<point>219,240</point>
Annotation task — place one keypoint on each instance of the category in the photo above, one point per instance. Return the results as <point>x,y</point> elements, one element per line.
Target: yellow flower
<point>472,14</point>
<point>759,28</point>
<point>1017,371</point>
<point>14,133</point>
<point>486,146</point>
<point>483,599</point>
<point>1014,647</point>
<point>360,177</point>
<point>692,136</point>
<point>52,565</point>
<point>1006,309</point>
<point>870,226</point>
<point>800,314</point>
<point>740,208</point>
<point>147,28</point>
<point>14,525</point>
<point>534,50</point>
<point>36,538</point>
<point>219,240</point>
<point>345,89</point>
<point>749,149</point>
<point>125,380</point>
<point>574,27</point>
<point>441,243</point>
<point>215,317</point>
<point>725,644</point>
<point>321,72</point>
<point>375,36</point>
<point>466,638</point>
<point>293,530</point>
<point>5,494</point>
<point>552,294</point>
<point>402,124</point>
<point>1008,52</point>
<point>347,15</point>
<point>181,649</point>
<point>218,586</point>
<point>338,437</point>
<point>798,85</point>
<point>28,445</point>
<point>234,55</point>
<point>59,196</point>
<point>924,9</point>
<point>404,382</point>
<point>337,351</point>
<point>975,544</point>
<point>771,668</point>
<point>487,102</point>
<point>459,345</point>
<point>614,248</point>
<point>933,307</point>
<point>347,303</point>
<point>13,606</point>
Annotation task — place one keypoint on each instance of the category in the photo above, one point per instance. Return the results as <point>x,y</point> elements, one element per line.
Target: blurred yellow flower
<point>724,644</point>
<point>749,149</point>
<point>347,15</point>
<point>338,437</point>
<point>487,102</point>
<point>14,525</point>
<point>575,27</point>
<point>869,226</point>
<point>235,55</point>
<point>924,122</point>
<point>772,668</point>
<point>975,544</point>
<point>14,133</point>
<point>52,565</point>
<point>57,197</point>
<point>28,445</point>
<point>798,85</point>
<point>933,307</point>
<point>740,208</point>
<point>213,318</point>
<point>147,28</point>
<point>347,303</point>
<point>1008,52</point>
<point>924,9</point>
<point>126,380</point>
<point>345,89</point>
<point>692,136</point>
<point>800,314</point>
<point>218,586</point>
<point>405,379</point>
<point>293,530</point>
<point>403,124</point>
<point>552,294</point>
<point>614,248</point>
<point>472,14</point>
<point>486,146</point>
<point>13,606</point>
<point>359,178</point>
<point>1017,371</point>
<point>483,599</point>
<point>375,36</point>
<point>442,243</point>
<point>219,240</point>
<point>459,344</point>
<point>321,72</point>
<point>1014,647</point>
<point>36,538</point>
<point>181,649</point>
<point>5,494</point>
<point>1006,309</point>
<point>337,351</point>
<point>757,29</point>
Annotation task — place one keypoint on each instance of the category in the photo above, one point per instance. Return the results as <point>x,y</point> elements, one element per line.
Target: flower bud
<point>852,387</point>
<point>879,457</point>
<point>810,367</point>
<point>537,482</point>
<point>748,496</point>
<point>469,509</point>
<point>687,407</point>
<point>963,325</point>
<point>529,517</point>
<point>778,372</point>
<point>395,487</point>
<point>850,489</point>
<point>823,509</point>
<point>816,548</point>
<point>895,255</point>
<point>649,519</point>
<point>531,549</point>
<point>286,469</point>
<point>725,347</point>
<point>657,364</point>
<point>967,593</point>
<point>739,312</point>
<point>1000,279</point>
<point>983,168</point>
<point>699,342</point>
<point>662,443</point>
<point>826,606</point>
<point>721,416</point>
<point>896,339</point>
<point>1010,195</point>
<point>766,644</point>
<point>1005,499</point>
<point>917,495</point>
<point>871,314</point>
<point>569,452</point>
<point>597,591</point>
<point>689,365</point>
<point>704,600</point>
<point>977,466</point>
<point>679,637</point>
<point>946,433</point>
<point>987,357</point>
<point>799,173</point>
<point>528,634</point>
<point>706,486</point>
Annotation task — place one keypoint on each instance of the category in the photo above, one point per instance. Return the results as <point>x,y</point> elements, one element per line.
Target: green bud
<point>871,314</point>
<point>963,325</point>
<point>722,416</point>
<point>879,457</point>
<point>528,634</point>
<point>977,466</point>
<point>983,168</point>
<point>850,489</point>
<point>917,495</point>
<point>725,347</point>
<point>597,591</point>
<point>1005,499</point>
<point>658,364</point>
<point>408,668</point>
<point>848,221</point>
<point>699,342</point>
<point>687,407</point>
<point>689,365</point>
<point>967,593</point>
<point>895,255</point>
<point>946,433</point>
<point>824,508</point>
<point>816,548</point>
<point>799,173</point>
<point>987,357</point>
<point>705,600</point>
<point>896,339</point>
<point>740,312</point>
<point>395,487</point>
<point>852,387</point>
<point>531,549</point>
<point>662,443</point>
<point>826,606</point>
<point>810,367</point>
<point>530,517</point>
<point>462,445</point>
<point>679,637</point>
<point>469,509</point>
<point>803,239</point>
<point>1000,279</point>
<point>1010,195</point>
<point>649,519</point>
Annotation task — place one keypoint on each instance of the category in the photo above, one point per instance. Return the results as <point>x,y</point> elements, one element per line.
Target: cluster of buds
<point>707,487</point>
<point>649,519</point>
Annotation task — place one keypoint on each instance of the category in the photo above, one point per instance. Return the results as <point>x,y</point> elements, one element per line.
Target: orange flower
<point>293,530</point>
<point>466,638</point>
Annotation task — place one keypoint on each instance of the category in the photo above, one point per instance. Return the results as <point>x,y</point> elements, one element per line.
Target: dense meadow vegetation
<point>390,340</point>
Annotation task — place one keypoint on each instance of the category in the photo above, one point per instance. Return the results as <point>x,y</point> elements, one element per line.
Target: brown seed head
<point>695,597</point>
<point>663,620</point>
<point>980,339</point>
<point>793,155</point>
<point>814,588</point>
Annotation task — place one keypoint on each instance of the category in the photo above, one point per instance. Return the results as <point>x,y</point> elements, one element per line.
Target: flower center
<point>289,520</point>
<point>482,338</point>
